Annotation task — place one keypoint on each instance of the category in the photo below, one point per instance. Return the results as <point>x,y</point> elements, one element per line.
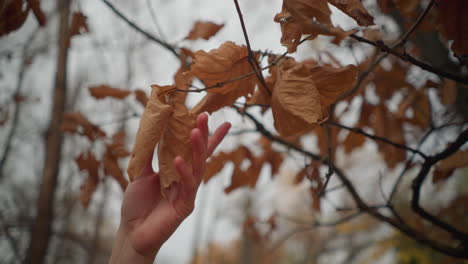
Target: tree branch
<point>252,61</point>
<point>408,58</point>
<point>419,180</point>
<point>377,138</point>
<point>166,45</point>
<point>458,252</point>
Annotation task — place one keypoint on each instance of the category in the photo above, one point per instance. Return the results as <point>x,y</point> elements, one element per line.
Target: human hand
<point>148,219</point>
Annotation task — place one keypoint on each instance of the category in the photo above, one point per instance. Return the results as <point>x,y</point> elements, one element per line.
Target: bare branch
<point>408,58</point>
<point>374,137</point>
<point>419,180</point>
<point>169,47</point>
<point>252,61</point>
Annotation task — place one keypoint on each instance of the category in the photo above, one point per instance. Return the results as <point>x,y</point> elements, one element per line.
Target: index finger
<point>217,137</point>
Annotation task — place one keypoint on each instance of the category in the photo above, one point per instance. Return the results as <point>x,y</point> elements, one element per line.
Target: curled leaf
<point>151,127</point>
<point>167,123</point>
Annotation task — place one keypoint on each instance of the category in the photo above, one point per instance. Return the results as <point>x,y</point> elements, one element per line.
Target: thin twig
<point>415,25</point>
<point>169,47</point>
<point>18,106</point>
<point>155,20</point>
<point>252,61</point>
<point>453,251</point>
<point>374,137</point>
<point>408,58</point>
<point>407,166</point>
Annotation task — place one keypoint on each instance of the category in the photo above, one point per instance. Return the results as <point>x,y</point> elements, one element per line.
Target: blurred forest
<point>349,130</point>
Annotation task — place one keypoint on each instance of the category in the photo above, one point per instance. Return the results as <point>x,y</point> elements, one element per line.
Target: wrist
<point>124,252</point>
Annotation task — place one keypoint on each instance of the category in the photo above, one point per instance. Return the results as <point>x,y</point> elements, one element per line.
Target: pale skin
<point>147,218</point>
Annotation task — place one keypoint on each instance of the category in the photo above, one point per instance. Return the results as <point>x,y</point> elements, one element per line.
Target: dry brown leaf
<point>90,164</point>
<point>299,17</point>
<point>303,93</point>
<point>333,82</point>
<point>454,24</point>
<point>260,96</point>
<point>457,160</point>
<point>354,9</point>
<point>117,146</point>
<point>75,122</point>
<point>306,10</point>
<point>387,126</point>
<point>219,65</point>
<point>223,64</point>
<point>167,123</point>
<point>352,141</point>
<point>151,127</point>
<point>78,26</point>
<point>397,74</point>
<point>174,142</point>
<point>13,16</point>
<point>295,102</point>
<point>204,30</point>
<point>103,91</point>
<point>141,96</point>
<point>441,175</point>
<point>112,168</point>
<point>217,162</point>
<point>183,77</point>
<point>249,177</point>
<point>274,158</point>
<point>313,175</point>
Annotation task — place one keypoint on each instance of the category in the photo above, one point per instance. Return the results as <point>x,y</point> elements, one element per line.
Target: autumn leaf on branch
<point>303,93</point>
<point>166,123</point>
<point>228,62</point>
<point>301,17</point>
<point>103,91</point>
<point>204,30</point>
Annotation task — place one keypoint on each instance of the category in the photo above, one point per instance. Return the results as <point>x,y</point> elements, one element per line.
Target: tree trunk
<point>41,231</point>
